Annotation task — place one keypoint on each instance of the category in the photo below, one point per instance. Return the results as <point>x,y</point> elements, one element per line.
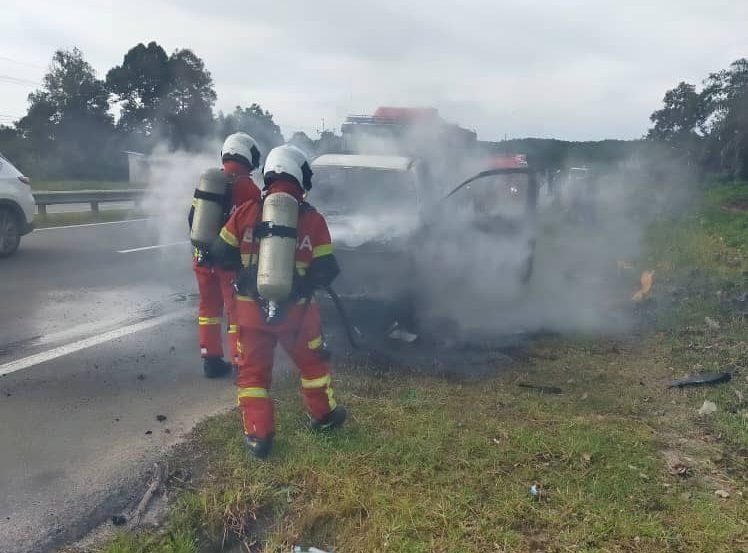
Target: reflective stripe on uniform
<point>252,392</point>
<point>331,399</point>
<point>229,238</point>
<point>324,249</point>
<point>312,383</point>
<point>301,267</point>
<point>314,344</point>
<point>209,320</point>
<point>233,329</point>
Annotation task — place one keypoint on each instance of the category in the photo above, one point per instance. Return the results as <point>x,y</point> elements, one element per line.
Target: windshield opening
<point>497,195</point>
<point>349,190</point>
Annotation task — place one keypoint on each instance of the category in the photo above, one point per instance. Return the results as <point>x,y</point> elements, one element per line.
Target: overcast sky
<point>571,69</point>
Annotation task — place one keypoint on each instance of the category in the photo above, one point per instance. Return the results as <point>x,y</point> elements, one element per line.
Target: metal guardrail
<point>43,198</point>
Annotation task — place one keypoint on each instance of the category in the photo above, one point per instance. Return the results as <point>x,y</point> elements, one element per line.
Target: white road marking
<point>154,247</point>
<point>67,349</point>
<point>91,224</point>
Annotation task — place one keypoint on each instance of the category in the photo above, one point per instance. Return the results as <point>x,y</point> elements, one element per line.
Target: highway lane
<point>65,278</point>
<point>94,344</point>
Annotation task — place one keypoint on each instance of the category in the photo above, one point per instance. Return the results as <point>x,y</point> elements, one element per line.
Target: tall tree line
<point>70,130</point>
<point>708,128</point>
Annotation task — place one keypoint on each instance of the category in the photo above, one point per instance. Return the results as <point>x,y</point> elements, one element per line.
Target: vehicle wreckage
<point>402,248</point>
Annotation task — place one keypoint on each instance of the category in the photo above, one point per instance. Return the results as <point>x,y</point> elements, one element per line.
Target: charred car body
<point>401,245</point>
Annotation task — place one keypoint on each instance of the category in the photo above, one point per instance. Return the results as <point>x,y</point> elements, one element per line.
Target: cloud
<point>579,69</point>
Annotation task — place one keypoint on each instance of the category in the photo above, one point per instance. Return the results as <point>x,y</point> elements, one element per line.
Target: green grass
<point>83,185</point>
<point>434,464</point>
<point>78,218</point>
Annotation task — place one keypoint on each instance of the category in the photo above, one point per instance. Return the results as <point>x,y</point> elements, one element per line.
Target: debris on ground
<point>739,304</point>
<point>722,494</point>
<point>157,481</point>
<point>160,418</point>
<point>148,432</point>
<point>679,469</point>
<point>554,390</point>
<point>538,492</point>
<point>300,549</point>
<point>141,376</point>
<point>711,323</point>
<point>708,408</point>
<point>396,332</point>
<point>701,379</point>
<point>646,281</point>
<point>119,520</point>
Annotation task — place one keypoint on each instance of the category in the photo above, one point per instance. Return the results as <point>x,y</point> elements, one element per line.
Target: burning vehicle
<point>373,204</point>
<point>403,248</point>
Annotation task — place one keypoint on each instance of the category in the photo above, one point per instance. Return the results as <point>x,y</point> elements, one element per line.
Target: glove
<point>303,287</point>
<point>246,282</point>
<point>225,256</point>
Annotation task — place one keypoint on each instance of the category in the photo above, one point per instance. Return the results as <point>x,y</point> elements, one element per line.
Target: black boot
<point>215,367</point>
<point>259,447</point>
<point>333,419</point>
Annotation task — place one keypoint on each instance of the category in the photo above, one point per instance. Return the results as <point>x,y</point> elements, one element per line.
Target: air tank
<point>276,262</point>
<point>210,205</point>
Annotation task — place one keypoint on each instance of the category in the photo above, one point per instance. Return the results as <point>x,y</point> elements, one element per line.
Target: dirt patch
<point>737,205</point>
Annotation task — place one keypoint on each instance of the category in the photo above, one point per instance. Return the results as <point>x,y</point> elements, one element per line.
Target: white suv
<point>16,207</point>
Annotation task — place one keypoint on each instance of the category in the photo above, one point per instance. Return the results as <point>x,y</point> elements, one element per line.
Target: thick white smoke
<point>172,178</point>
<point>467,279</point>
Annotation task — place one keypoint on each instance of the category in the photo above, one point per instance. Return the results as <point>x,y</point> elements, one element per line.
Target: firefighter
<point>251,234</point>
<point>240,156</point>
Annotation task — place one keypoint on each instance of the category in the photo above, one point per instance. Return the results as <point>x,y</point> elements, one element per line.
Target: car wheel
<point>10,233</point>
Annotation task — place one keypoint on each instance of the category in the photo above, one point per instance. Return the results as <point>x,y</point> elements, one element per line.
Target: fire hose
<point>351,331</point>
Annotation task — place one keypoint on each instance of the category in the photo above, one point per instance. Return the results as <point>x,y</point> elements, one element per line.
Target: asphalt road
<point>97,338</point>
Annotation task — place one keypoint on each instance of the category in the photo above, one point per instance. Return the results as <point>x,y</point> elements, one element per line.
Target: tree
<point>710,126</point>
<point>302,141</point>
<point>254,121</point>
<point>188,105</point>
<point>68,124</point>
<point>726,94</point>
<point>14,147</point>
<point>140,84</point>
<point>681,122</point>
<point>163,97</point>
<point>329,143</point>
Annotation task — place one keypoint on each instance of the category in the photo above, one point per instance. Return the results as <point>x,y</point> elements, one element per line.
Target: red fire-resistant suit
<point>299,331</point>
<point>214,283</point>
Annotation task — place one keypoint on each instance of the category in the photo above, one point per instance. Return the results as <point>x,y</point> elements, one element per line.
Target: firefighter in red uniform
<point>295,322</point>
<point>240,156</point>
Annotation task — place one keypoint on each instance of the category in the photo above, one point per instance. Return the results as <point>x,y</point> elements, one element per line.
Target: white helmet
<point>288,161</point>
<point>242,148</point>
